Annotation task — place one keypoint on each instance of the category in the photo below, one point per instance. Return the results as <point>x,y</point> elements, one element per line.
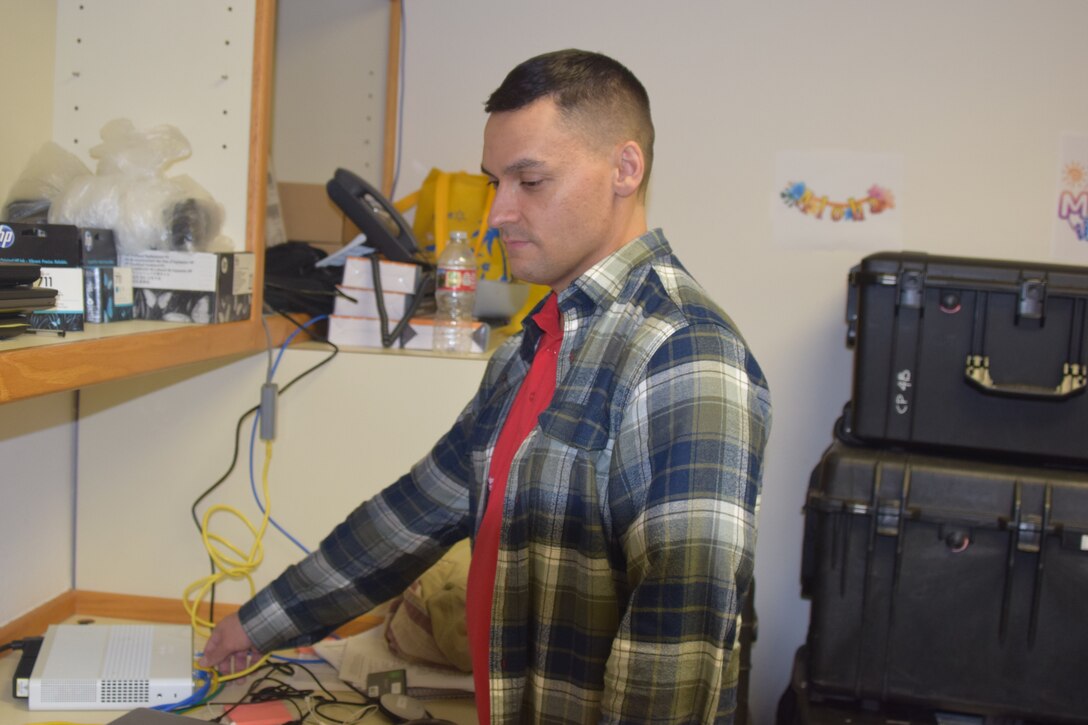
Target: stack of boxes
<point>356,321</point>
<point>81,264</point>
<point>96,285</point>
<point>946,528</point>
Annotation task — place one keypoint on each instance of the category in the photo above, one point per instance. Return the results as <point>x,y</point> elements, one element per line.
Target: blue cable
<point>400,100</point>
<point>195,699</point>
<point>253,435</point>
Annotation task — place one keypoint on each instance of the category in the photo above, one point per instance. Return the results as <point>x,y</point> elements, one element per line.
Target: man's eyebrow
<point>519,165</point>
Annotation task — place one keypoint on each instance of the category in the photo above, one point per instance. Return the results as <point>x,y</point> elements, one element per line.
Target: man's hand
<point>229,649</point>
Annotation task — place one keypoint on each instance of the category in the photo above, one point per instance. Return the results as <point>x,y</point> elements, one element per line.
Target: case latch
<point>1029,535</point>
<point>1032,302</point>
<point>912,284</point>
<point>888,514</point>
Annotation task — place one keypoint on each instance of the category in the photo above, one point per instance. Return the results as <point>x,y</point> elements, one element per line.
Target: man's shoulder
<point>668,293</point>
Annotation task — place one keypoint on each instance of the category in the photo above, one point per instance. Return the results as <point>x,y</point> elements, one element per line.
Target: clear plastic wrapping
<point>129,192</point>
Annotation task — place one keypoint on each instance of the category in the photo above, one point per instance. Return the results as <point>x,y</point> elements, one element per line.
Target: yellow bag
<point>460,202</point>
<point>456,202</point>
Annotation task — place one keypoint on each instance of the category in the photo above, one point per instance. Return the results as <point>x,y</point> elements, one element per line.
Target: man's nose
<point>503,208</point>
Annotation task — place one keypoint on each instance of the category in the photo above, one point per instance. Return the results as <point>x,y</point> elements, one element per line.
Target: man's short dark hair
<point>592,90</point>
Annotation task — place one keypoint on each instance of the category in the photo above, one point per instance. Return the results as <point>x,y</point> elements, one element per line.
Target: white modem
<point>112,667</point>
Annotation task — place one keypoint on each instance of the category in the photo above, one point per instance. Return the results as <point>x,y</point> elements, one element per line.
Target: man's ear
<point>630,167</point>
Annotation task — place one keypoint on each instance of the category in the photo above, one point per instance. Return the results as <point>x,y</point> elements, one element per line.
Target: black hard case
<point>800,706</point>
<point>942,582</point>
<point>970,355</point>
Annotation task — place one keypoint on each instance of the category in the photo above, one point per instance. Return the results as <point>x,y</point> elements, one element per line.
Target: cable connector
<point>20,682</point>
<point>269,394</point>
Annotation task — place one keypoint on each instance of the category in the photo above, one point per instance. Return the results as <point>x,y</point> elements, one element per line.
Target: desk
<point>14,712</point>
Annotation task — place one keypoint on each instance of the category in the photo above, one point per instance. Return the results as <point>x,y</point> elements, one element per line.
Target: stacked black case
<point>946,527</point>
<point>973,357</point>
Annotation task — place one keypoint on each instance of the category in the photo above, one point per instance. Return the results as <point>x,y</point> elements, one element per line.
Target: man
<point>608,468</point>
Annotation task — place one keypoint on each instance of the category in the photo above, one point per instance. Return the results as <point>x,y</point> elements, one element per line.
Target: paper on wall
<point>838,200</point>
<point>1070,230</point>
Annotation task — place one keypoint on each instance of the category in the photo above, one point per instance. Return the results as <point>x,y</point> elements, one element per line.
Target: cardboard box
<point>67,312</point>
<point>418,334</point>
<point>397,304</point>
<point>309,215</point>
<point>61,245</point>
<point>109,295</point>
<point>201,287</point>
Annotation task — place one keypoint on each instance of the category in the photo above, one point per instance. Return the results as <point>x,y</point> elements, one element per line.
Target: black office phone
<point>384,227</point>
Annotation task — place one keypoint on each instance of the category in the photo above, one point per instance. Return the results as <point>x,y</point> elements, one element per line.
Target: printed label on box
<point>108,293</point>
<point>190,271</point>
<point>244,271</point>
<point>67,312</point>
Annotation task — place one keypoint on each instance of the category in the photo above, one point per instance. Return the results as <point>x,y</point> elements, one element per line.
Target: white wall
<point>329,89</point>
<point>26,68</point>
<point>37,483</point>
<point>149,447</point>
<point>36,436</point>
<point>974,95</point>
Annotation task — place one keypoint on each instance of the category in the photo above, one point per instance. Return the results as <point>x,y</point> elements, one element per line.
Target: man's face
<point>554,201</point>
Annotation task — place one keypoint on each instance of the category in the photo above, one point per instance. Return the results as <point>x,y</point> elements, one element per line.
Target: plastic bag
<point>131,194</point>
<point>47,174</point>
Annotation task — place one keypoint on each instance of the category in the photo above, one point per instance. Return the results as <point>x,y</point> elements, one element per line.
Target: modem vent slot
<point>60,691</point>
<point>119,691</point>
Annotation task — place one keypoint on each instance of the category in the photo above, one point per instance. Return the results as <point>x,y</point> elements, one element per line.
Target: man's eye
<point>531,183</point>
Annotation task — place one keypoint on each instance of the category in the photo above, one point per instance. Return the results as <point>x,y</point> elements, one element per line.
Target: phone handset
<point>384,227</point>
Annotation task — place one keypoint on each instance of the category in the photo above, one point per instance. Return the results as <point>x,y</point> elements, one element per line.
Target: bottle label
<point>456,280</point>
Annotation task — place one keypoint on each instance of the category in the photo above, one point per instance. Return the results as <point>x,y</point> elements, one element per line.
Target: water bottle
<point>455,295</point>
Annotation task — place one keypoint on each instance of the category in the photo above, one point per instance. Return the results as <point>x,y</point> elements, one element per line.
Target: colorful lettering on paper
<point>802,198</point>
<point>1073,200</point>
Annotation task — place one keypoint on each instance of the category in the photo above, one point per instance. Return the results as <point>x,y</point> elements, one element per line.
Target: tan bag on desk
<point>427,623</point>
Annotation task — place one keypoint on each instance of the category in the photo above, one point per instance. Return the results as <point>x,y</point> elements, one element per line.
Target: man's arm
<point>690,462</point>
<point>372,556</point>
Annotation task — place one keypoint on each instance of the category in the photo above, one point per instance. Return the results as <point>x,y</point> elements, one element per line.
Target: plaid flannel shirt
<point>628,522</point>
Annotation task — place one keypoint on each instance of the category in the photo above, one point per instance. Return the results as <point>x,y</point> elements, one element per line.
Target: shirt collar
<point>603,283</point>
<point>598,286</point>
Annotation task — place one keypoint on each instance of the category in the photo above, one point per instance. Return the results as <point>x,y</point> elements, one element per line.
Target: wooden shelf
<point>42,364</point>
<point>120,350</point>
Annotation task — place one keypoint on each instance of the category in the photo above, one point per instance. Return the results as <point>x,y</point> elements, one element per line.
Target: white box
<point>366,303</point>
<point>418,334</point>
<point>355,331</point>
<point>395,276</point>
<point>203,287</point>
<point>112,667</point>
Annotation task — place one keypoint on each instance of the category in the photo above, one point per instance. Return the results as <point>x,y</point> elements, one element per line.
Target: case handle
<point>1074,380</point>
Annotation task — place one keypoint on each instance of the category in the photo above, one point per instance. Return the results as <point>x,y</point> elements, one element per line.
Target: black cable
<point>389,338</point>
<point>288,693</point>
<point>237,443</point>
